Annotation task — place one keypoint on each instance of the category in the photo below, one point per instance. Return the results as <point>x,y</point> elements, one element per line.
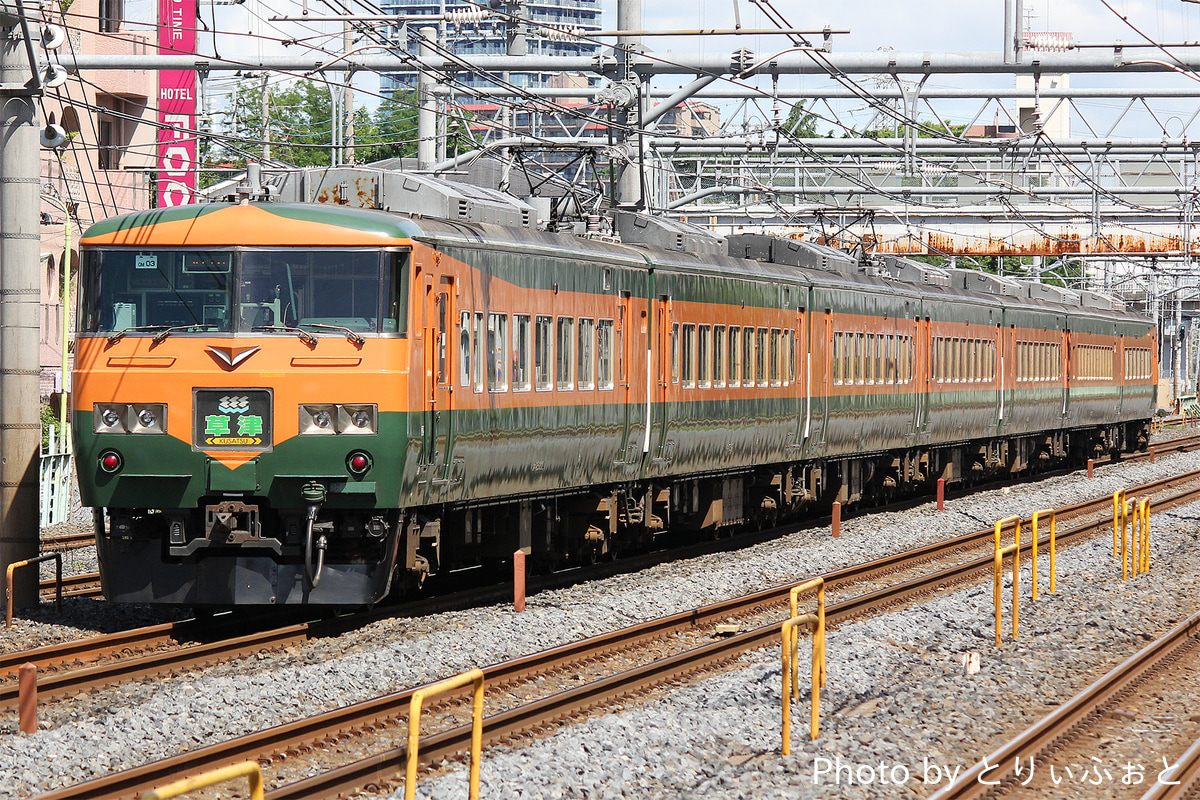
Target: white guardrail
<point>56,480</point>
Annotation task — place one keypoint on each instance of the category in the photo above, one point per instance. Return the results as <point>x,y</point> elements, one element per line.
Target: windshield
<point>230,291</point>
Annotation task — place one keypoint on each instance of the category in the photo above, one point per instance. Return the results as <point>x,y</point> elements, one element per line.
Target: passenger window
<point>587,356</point>
<point>748,356</point>
<point>604,353</point>
<point>760,356</point>
<point>687,363</point>
<point>675,353</point>
<point>735,356</point>
<point>718,359</point>
<point>521,353</point>
<point>542,354</point>
<point>498,364</point>
<point>566,353</point>
<point>775,356</point>
<point>464,349</point>
<point>480,351</point>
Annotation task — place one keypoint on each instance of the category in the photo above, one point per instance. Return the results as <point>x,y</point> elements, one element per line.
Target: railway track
<point>1069,735</point>
<point>85,584</point>
<point>557,674</point>
<point>143,653</point>
<point>68,542</point>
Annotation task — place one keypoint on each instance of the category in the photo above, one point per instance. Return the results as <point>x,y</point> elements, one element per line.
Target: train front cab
<point>210,426</point>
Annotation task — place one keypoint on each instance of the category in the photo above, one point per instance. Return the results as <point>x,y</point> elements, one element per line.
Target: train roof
<point>328,225</point>
<point>257,224</point>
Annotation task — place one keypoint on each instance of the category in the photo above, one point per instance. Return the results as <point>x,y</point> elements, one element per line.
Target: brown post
<point>27,697</point>
<point>1090,467</point>
<point>941,494</point>
<point>836,523</point>
<point>1151,455</point>
<point>519,580</point>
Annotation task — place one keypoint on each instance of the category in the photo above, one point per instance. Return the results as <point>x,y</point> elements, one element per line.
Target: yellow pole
<point>1125,511</point>
<point>1053,566</point>
<point>66,317</point>
<point>1118,496</point>
<point>247,769</point>
<point>1035,546</point>
<point>1146,533</point>
<point>997,565</point>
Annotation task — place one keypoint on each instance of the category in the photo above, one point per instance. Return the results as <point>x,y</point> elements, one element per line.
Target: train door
<point>801,376</point>
<point>1008,374</point>
<point>1001,366</point>
<point>1064,366</point>
<point>1118,372</point>
<point>438,387</point>
<point>666,340</point>
<point>820,414</point>
<point>922,351</point>
<point>633,427</point>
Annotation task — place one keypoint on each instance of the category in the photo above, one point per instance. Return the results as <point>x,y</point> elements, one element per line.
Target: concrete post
<point>629,174</point>
<point>348,136</point>
<point>20,298</point>
<point>427,106</point>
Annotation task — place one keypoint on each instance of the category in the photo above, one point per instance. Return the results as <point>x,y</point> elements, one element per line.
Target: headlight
<point>148,418</point>
<point>318,419</point>
<point>352,418</point>
<point>357,419</point>
<point>108,418</point>
<point>129,417</point>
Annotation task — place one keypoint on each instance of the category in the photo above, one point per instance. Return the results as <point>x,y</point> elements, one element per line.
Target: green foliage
<point>49,420</point>
<point>1063,273</point>
<point>801,123</point>
<point>301,126</point>
<point>927,130</point>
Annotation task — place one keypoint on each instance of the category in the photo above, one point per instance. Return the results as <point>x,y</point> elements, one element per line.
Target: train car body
<point>302,403</point>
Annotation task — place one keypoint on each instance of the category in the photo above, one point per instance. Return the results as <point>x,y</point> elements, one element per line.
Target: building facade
<point>103,169</point>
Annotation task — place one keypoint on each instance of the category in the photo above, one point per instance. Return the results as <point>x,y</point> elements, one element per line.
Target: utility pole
<point>427,105</point>
<point>348,136</point>
<point>629,180</point>
<point>20,298</point>
<point>266,117</point>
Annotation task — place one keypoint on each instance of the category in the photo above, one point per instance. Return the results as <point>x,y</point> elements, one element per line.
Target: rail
<point>8,583</point>
<point>577,698</point>
<point>1001,763</point>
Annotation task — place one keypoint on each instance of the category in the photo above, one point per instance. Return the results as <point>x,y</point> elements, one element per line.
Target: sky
<point>961,26</point>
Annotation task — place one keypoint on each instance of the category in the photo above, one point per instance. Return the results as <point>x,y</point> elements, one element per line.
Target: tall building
<point>490,36</point>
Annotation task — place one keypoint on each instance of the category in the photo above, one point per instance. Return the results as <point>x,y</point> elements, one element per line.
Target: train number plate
<point>232,419</point>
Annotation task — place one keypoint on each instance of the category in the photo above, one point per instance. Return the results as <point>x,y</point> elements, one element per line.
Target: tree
<point>800,123</point>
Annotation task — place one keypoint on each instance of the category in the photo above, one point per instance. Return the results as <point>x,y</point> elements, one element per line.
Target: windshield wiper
<point>116,337</point>
<point>304,335</point>
<point>351,334</point>
<point>158,337</point>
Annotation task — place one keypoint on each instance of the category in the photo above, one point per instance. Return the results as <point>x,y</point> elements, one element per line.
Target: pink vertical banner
<point>176,105</point>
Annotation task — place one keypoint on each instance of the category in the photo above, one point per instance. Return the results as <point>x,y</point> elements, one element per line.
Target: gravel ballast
<point>895,691</point>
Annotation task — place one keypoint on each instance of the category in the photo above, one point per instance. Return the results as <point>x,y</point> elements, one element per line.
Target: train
<point>328,390</point>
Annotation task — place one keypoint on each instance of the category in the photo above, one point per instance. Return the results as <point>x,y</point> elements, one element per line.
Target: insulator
<point>53,37</point>
<point>562,35</point>
<point>54,75</point>
<point>1048,41</point>
<point>53,136</point>
<point>462,15</point>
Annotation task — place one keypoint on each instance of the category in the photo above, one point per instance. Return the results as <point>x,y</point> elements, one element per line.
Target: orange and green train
<point>305,403</point>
